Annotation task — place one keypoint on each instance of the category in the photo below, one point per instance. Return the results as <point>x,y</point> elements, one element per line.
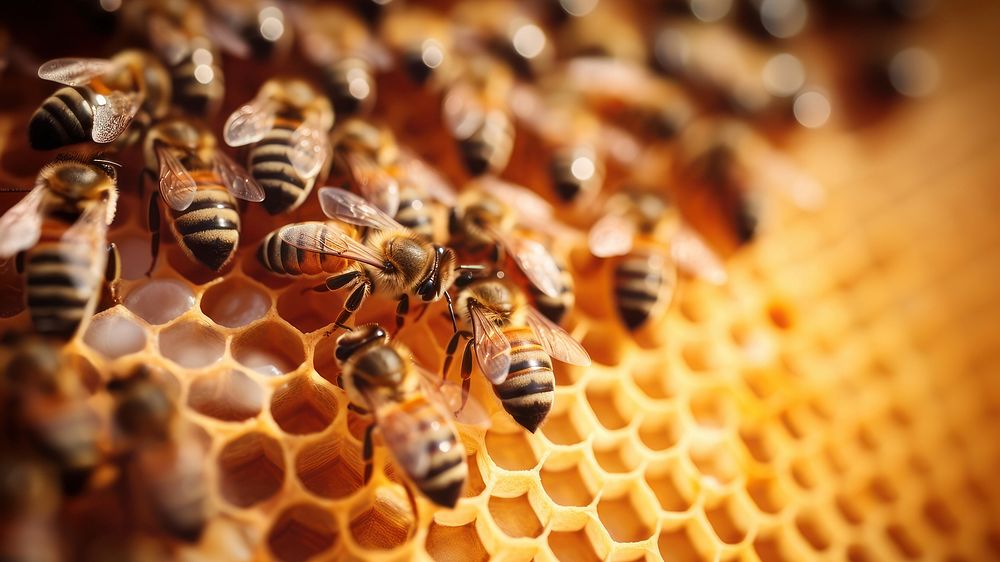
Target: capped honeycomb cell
<point>227,395</point>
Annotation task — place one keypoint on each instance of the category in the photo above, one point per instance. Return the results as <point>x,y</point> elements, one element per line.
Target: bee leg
<point>466,375</point>
<point>352,304</point>
<point>154,228</point>
<point>337,282</point>
<point>450,351</point>
<point>367,452</point>
<point>401,309</point>
<point>113,272</point>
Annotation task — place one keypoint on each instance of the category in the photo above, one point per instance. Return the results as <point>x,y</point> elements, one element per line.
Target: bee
<point>339,43</point>
<point>477,115</point>
<point>391,261</point>
<point>288,124</point>
<point>199,184</point>
<point>409,408</point>
<point>264,25</point>
<point>423,195</point>
<point>424,41</point>
<point>100,100</point>
<point>607,30</point>
<point>281,258</point>
<point>649,240</point>
<point>163,468</point>
<point>363,153</point>
<point>509,30</point>
<point>558,307</point>
<point>513,344</point>
<point>58,234</point>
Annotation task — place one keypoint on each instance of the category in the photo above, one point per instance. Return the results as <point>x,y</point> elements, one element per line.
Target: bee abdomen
<point>639,286</point>
<point>529,389</point>
<point>271,166</point>
<point>282,258</point>
<point>198,89</point>
<point>209,229</point>
<point>350,85</point>
<point>488,148</point>
<point>66,117</point>
<point>447,470</point>
<point>60,288</point>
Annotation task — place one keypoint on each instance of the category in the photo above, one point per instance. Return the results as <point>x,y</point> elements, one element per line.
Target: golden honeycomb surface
<point>836,400</point>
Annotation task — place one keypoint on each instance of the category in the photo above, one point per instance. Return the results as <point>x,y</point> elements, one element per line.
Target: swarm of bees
<point>545,118</point>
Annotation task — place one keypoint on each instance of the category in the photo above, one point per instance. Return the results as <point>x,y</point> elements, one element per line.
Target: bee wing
<point>237,180</point>
<point>90,228</point>
<point>374,182</point>
<point>425,177</point>
<point>400,430</point>
<point>534,260</point>
<point>167,40</point>
<point>492,346</point>
<point>612,235</point>
<point>177,187</point>
<point>74,71</point>
<point>327,239</point>
<point>112,115</point>
<point>249,123</point>
<point>450,396</point>
<point>21,225</point>
<point>556,341</point>
<point>309,149</point>
<point>345,206</point>
<point>693,255</point>
<point>530,207</point>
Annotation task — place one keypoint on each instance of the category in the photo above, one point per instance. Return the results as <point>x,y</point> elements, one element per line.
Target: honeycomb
<point>836,400</point>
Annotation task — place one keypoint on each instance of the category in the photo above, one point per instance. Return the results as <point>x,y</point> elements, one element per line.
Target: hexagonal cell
<point>904,541</point>
<point>251,469</point>
<point>676,545</point>
<point>712,408</point>
<point>883,490</point>
<point>805,473</point>
<point>700,355</point>
<point>767,494</point>
<point>235,302</point>
<point>660,430</point>
<point>308,310</point>
<point>192,345</point>
<point>760,442</point>
<point>303,406</point>
<point>674,490</point>
<point>114,335</point>
<point>330,467</point>
<point>454,544</point>
<point>847,506</point>
<point>629,517</point>
<point>510,451</point>
<point>714,459</point>
<point>270,349</point>
<point>159,301</point>
<point>573,546</point>
<point>227,395</point>
<point>610,406</point>
<point>515,516</point>
<point>566,424</point>
<point>859,553</point>
<point>813,530</point>
<point>572,485</point>
<point>302,531</point>
<point>940,516</point>
<point>617,456</point>
<point>475,484</point>
<point>384,524</point>
<point>772,548</point>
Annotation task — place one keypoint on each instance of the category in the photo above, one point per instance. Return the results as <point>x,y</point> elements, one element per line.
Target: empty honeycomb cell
<point>192,345</point>
<point>251,469</point>
<point>303,406</point>
<point>760,442</point>
<point>730,520</point>
<point>904,541</point>
<point>700,356</point>
<point>656,379</point>
<point>330,467</point>
<point>573,546</point>
<point>674,490</point>
<point>228,395</point>
<point>712,408</point>
<point>566,423</point>
<point>159,301</point>
<point>617,456</point>
<point>883,489</point>
<point>768,494</point>
<point>511,451</point>
<point>113,334</point>
<point>610,406</point>
<point>940,516</point>
<point>849,508</point>
<point>455,544</point>
<point>772,548</point>
<point>235,302</point>
<point>269,348</point>
<point>781,314</point>
<point>301,532</point>
<point>324,359</point>
<point>813,530</point>
<point>308,310</point>
<point>660,430</point>
<point>385,523</point>
<point>628,517</point>
<point>515,516</point>
<point>805,472</point>
<point>859,553</point>
<point>714,459</point>
<point>571,485</point>
<point>675,545</point>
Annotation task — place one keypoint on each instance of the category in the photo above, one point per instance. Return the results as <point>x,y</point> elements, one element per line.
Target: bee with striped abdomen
<point>477,115</point>
<point>288,124</point>
<point>510,30</point>
<point>281,258</point>
<point>58,233</point>
<point>100,100</point>
<point>410,410</point>
<point>265,25</point>
<point>645,235</point>
<point>199,184</point>
<point>422,39</point>
<point>513,344</point>
<point>363,153</point>
<point>556,308</point>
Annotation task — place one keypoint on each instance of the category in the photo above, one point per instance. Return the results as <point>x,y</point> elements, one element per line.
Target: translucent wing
<point>310,147</point>
<point>530,207</point>
<point>399,427</point>
<point>167,40</point>
<point>236,179</point>
<point>345,206</point>
<point>327,239</point>
<point>249,123</point>
<point>557,343</point>
<point>112,115</point>
<point>90,228</point>
<point>535,261</point>
<point>177,187</point>
<point>74,71</point>
<point>612,235</point>
<point>21,225</point>
<point>373,182</point>
<point>451,396</point>
<point>426,178</point>
<point>492,346</point>
<point>693,255</point>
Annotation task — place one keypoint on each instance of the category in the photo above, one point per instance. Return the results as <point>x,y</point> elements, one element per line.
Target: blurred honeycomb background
<point>836,400</point>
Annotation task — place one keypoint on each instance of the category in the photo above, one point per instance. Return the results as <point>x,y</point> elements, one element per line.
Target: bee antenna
<point>14,189</point>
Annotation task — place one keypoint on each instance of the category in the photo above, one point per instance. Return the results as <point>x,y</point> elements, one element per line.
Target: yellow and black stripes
<point>446,470</point>
<point>197,88</point>
<point>556,308</point>
<point>271,166</point>
<point>488,148</point>
<point>415,212</point>
<point>280,257</point>
<point>61,283</point>
<point>208,230</point>
<point>529,390</point>
<point>66,117</point>
<point>639,284</point>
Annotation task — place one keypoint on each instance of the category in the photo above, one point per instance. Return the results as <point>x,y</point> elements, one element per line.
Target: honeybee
<point>363,153</point>
<point>100,100</point>
<point>423,40</point>
<point>477,115</point>
<point>289,124</point>
<point>164,469</point>
<point>646,235</point>
<point>513,344</point>
<point>58,233</point>
<point>281,258</point>
<point>410,410</point>
<point>265,25</point>
<point>423,192</point>
<point>509,30</point>
<point>339,43</point>
<point>392,260</point>
<point>199,184</point>
<point>556,308</point>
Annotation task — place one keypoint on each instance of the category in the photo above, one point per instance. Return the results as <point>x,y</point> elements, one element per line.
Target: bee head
<point>440,275</point>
